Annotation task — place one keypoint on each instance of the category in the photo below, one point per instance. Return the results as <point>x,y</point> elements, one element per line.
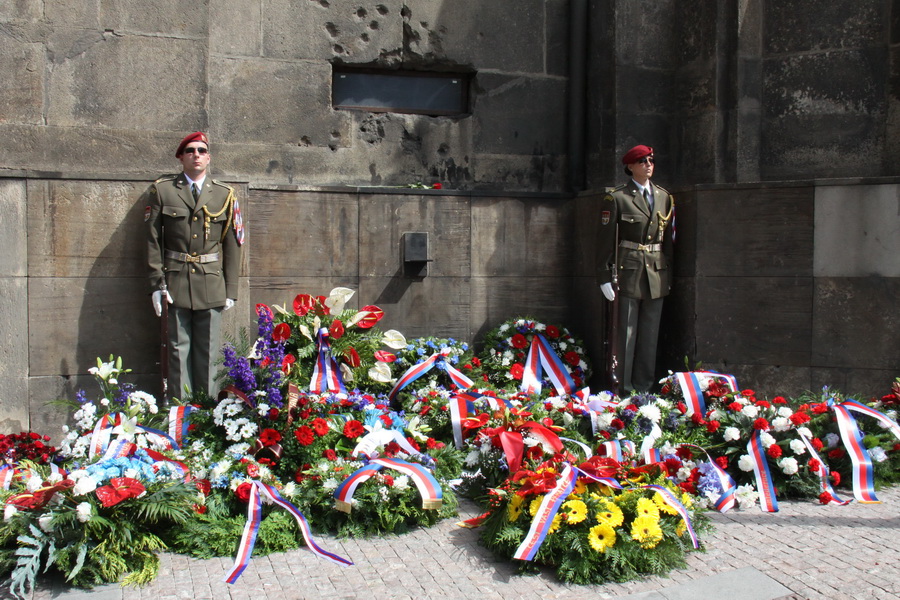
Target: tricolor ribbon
<point>543,519</point>
<point>542,356</point>
<point>461,405</point>
<point>419,369</point>
<point>382,437</point>
<point>109,424</point>
<point>618,450</point>
<point>764,485</point>
<point>823,473</point>
<point>691,388</point>
<point>680,508</point>
<point>326,375</point>
<point>727,499</point>
<point>429,488</point>
<point>251,530</point>
<point>179,422</point>
<point>863,473</point>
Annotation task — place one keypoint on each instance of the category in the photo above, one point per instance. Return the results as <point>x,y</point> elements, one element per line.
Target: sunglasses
<point>198,149</point>
<point>647,160</point>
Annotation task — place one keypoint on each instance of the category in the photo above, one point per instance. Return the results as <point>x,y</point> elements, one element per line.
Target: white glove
<point>156,299</point>
<point>608,291</point>
<point>228,303</point>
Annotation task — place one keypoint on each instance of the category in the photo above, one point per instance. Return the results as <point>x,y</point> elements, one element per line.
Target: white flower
<point>85,485</point>
<point>132,473</point>
<point>44,522</point>
<point>84,512</point>
<point>34,483</point>
<point>472,458</point>
<point>798,447</point>
<point>290,488</point>
<point>716,415</point>
<point>604,420</point>
<point>330,484</point>
<point>732,434</point>
<point>683,474</point>
<point>262,409</point>
<point>781,424</point>
<point>831,440</point>
<point>746,496</point>
<point>750,411</point>
<point>745,463</point>
<point>401,483</point>
<point>503,327</point>
<point>788,465</point>
<point>650,411</point>
<point>766,439</point>
<point>785,411</point>
<point>878,454</point>
<point>9,512</point>
<point>805,432</point>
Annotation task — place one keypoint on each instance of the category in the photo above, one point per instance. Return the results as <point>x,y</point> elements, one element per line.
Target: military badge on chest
<point>604,217</point>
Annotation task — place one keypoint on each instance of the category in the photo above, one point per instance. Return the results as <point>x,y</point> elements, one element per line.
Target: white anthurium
<point>359,316</point>
<point>380,373</point>
<point>347,372</point>
<point>338,298</point>
<point>305,331</point>
<point>394,339</point>
<point>281,310</point>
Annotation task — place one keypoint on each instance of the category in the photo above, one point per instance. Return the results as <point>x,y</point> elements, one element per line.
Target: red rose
<point>617,424</point>
<point>269,437</point>
<point>273,413</point>
<point>320,426</point>
<point>519,341</point>
<point>281,333</point>
<point>517,370</point>
<point>329,454</point>
<point>243,492</point>
<point>353,429</point>
<point>572,358</point>
<point>552,332</point>
<point>304,435</point>
<point>336,329</point>
<point>761,424</point>
<point>774,451</point>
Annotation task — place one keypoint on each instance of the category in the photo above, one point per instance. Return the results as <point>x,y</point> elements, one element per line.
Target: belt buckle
<point>192,259</point>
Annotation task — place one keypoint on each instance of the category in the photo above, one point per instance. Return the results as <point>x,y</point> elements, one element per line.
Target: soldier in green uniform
<point>635,246</point>
<point>194,238</point>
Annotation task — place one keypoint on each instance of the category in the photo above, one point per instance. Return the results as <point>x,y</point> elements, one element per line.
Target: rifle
<point>612,325</point>
<point>164,341</point>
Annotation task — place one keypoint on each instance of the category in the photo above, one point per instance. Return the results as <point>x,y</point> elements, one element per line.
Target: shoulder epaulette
<point>166,178</point>
<point>663,189</point>
<point>224,185</point>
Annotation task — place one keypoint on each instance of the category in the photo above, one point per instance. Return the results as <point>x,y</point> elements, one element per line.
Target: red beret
<point>636,154</point>
<point>197,136</point>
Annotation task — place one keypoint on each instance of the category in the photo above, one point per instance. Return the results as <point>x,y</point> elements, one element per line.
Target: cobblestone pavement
<point>813,551</point>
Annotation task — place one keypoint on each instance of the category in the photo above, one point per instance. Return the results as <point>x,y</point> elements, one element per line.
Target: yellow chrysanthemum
<point>611,514</point>
<point>687,500</point>
<point>647,532</point>
<point>535,505</point>
<point>555,523</point>
<point>514,509</point>
<point>663,505</point>
<point>681,528</point>
<point>576,511</point>
<point>647,508</point>
<point>601,537</point>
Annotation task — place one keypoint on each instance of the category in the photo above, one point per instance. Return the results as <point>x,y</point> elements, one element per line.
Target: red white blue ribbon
<point>764,485</point>
<point>429,488</point>
<point>417,370</point>
<point>863,474</point>
<point>726,501</point>
<point>179,423</point>
<point>326,375</point>
<point>618,450</point>
<point>108,424</point>
<point>461,405</point>
<point>251,530</point>
<point>543,519</point>
<point>680,508</point>
<point>823,472</point>
<point>542,356</point>
<point>692,390</point>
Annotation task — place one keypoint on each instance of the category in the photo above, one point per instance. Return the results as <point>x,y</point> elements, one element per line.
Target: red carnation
<point>763,404</point>
<point>281,333</point>
<point>269,437</point>
<point>761,424</point>
<point>814,465</point>
<point>817,444</point>
<point>799,418</point>
<point>774,451</point>
<point>736,406</point>
<point>820,408</point>
<point>722,461</point>
<point>388,480</point>
<point>517,370</point>
<point>825,498</point>
<point>519,341</point>
<point>320,426</point>
<point>353,429</point>
<point>836,477</point>
<point>713,426</point>
<point>572,358</point>
<point>779,400</point>
<point>304,435</point>
<point>836,453</point>
<point>617,424</point>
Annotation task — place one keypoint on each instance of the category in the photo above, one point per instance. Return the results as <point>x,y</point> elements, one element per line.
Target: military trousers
<point>638,333</point>
<point>195,340</point>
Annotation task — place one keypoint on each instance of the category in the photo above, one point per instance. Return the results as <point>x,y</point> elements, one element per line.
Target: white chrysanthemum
<point>290,489</point>
<point>785,411</point>
<point>401,483</point>
<point>789,465</point>
<point>781,424</point>
<point>330,484</point>
<point>798,447</point>
<point>604,420</point>
<point>746,496</point>
<point>84,512</point>
<point>472,458</point>
<point>220,468</point>
<point>558,402</point>
<point>745,463</point>
<point>9,512</point>
<point>651,411</point>
<point>248,430</point>
<point>503,327</point>
<point>750,411</point>
<point>732,434</point>
<point>563,346</point>
<point>766,439</point>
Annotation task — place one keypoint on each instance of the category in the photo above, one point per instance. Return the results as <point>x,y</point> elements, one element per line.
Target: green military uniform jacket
<point>196,231</point>
<point>644,272</point>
